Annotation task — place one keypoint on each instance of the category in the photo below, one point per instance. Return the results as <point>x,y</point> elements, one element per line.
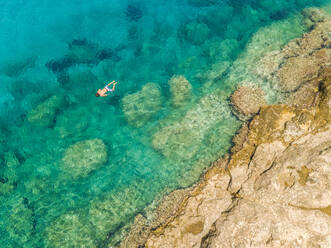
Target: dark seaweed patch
<point>279,15</point>
<point>60,64</point>
<point>79,42</point>
<point>63,78</point>
<point>133,13</point>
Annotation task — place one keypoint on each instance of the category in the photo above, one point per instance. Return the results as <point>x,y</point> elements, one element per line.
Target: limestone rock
<point>312,41</point>
<point>140,107</point>
<point>296,70</point>
<point>305,96</point>
<point>138,234</point>
<point>181,90</point>
<point>247,101</point>
<point>193,224</point>
<point>83,157</point>
<point>301,69</point>
<point>314,14</point>
<point>281,197</point>
<point>301,59</point>
<point>70,230</point>
<point>44,114</point>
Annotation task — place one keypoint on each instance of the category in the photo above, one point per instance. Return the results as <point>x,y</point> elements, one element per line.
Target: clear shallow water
<point>69,50</point>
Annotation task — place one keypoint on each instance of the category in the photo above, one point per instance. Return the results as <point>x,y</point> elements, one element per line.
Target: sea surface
<point>75,168</point>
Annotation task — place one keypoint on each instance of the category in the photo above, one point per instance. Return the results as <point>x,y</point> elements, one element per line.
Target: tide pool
<point>75,168</point>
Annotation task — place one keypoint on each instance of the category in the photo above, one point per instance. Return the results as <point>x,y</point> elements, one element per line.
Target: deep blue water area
<point>75,168</point>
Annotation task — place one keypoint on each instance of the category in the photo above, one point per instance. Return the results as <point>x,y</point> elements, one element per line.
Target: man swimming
<point>105,89</point>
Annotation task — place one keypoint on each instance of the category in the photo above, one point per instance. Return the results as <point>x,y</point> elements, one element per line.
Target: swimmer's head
<point>97,94</point>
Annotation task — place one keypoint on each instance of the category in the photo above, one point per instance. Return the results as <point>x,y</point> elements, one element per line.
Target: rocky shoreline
<point>274,188</point>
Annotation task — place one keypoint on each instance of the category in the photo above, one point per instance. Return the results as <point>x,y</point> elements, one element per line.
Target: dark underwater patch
<point>133,12</point>
<point>279,15</point>
<point>80,51</point>
<point>59,65</point>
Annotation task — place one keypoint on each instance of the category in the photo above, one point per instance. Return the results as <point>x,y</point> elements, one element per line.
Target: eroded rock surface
<point>247,101</point>
<point>302,59</point>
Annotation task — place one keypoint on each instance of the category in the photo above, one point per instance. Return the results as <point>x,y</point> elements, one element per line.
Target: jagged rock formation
<point>301,59</point>
<point>274,189</point>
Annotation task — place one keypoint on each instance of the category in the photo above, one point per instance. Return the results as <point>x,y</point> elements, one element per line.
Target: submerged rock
<point>83,52</point>
<point>140,107</point>
<point>180,90</point>
<point>84,157</point>
<point>20,222</point>
<point>182,140</point>
<point>247,101</point>
<point>215,73</point>
<point>222,51</point>
<point>17,68</point>
<point>67,123</point>
<point>71,229</point>
<point>9,176</point>
<point>108,213</point>
<point>133,12</point>
<point>194,32</point>
<point>44,114</point>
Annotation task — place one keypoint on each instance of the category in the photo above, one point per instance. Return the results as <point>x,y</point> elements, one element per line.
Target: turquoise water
<point>76,169</point>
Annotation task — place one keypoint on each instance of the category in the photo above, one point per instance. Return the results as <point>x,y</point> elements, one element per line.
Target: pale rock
<point>141,106</point>
<point>180,90</point>
<point>83,157</point>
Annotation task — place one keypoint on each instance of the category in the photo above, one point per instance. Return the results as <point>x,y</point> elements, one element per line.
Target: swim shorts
<point>107,88</point>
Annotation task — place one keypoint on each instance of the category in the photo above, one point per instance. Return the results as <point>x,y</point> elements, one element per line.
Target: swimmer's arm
<point>104,95</point>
